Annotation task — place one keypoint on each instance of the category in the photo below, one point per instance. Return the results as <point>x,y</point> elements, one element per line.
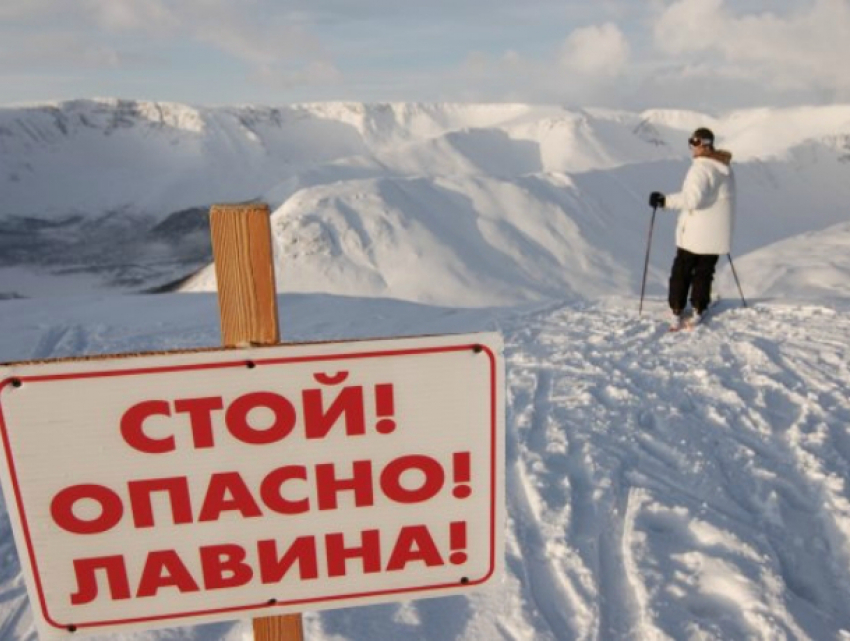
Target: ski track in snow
<point>689,485</point>
<point>684,485</point>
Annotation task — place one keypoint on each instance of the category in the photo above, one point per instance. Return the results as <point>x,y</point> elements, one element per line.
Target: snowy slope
<point>811,266</point>
<point>659,486</point>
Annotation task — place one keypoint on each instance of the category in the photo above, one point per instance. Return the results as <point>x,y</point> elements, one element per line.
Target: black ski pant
<point>694,273</point>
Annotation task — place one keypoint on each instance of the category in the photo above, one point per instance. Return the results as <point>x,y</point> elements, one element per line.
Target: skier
<point>704,230</point>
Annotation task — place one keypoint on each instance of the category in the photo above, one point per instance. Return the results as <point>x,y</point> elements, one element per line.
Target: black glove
<point>657,199</point>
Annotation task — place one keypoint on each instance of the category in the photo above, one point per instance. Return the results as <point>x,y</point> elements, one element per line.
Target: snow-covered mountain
<point>540,201</point>
<point>659,486</point>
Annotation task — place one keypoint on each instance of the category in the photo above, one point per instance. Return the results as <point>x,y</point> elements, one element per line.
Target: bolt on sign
<point>173,489</point>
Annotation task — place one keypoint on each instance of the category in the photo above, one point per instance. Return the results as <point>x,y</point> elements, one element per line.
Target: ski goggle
<point>699,142</point>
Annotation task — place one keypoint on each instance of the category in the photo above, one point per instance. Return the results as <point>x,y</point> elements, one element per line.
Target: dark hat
<point>702,136</point>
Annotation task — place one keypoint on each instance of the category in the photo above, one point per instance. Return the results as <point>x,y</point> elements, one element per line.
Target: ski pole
<point>737,282</point>
<point>646,260</point>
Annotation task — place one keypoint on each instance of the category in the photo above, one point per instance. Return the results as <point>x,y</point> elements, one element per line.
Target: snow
<point>684,486</point>
<point>812,266</point>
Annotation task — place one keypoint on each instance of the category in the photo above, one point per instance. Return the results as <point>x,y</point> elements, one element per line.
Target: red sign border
<point>17,381</point>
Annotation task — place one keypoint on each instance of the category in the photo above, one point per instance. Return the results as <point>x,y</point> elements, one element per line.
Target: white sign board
<point>174,489</point>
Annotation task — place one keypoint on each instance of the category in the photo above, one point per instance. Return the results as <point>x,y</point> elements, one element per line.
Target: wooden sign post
<point>247,298</point>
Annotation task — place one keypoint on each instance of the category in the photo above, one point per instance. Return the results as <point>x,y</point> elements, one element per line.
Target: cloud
<point>688,26</point>
<point>132,15</point>
<point>25,10</point>
<point>706,54</point>
<point>53,51</point>
<point>90,34</point>
<point>311,75</point>
<point>596,51</point>
<point>261,46</point>
<point>586,67</point>
<point>801,50</point>
<point>108,15</point>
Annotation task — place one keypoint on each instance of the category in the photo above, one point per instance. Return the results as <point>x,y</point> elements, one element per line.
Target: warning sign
<point>173,489</point>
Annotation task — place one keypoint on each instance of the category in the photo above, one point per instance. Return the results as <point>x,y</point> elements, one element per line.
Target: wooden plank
<point>247,299</point>
<point>280,628</point>
<point>242,249</point>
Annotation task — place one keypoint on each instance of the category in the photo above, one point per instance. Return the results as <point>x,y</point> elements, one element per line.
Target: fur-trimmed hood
<point>720,155</point>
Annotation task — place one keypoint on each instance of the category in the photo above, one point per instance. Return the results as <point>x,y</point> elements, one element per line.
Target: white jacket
<point>707,204</point>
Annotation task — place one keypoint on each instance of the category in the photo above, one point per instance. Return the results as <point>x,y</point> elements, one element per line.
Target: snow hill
<point>539,201</point>
<point>687,486</point>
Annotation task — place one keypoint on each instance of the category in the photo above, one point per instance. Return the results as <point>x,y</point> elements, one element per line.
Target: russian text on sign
<point>183,488</point>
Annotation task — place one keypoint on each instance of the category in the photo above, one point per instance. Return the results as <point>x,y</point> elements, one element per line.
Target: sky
<point>697,54</point>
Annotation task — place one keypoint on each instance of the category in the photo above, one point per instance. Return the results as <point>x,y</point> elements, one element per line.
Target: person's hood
<point>718,155</point>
